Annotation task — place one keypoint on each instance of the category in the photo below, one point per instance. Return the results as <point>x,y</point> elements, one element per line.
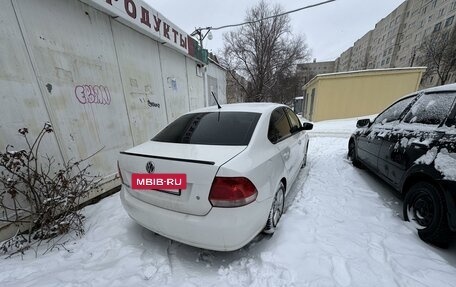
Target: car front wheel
<point>425,207</point>
<point>352,154</point>
<point>276,210</point>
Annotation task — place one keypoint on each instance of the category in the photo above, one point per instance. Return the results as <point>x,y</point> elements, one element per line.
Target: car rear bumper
<point>222,229</point>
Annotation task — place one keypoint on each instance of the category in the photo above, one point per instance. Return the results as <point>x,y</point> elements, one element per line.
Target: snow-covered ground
<point>342,228</point>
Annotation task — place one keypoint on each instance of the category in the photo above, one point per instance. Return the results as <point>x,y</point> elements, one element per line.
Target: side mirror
<point>307,126</point>
<point>363,123</point>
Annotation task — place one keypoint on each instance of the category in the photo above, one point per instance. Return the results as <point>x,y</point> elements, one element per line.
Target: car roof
<point>449,87</point>
<point>242,107</point>
<point>444,88</point>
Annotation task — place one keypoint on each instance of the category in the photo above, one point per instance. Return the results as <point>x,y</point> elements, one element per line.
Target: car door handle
<point>286,155</point>
<point>299,142</point>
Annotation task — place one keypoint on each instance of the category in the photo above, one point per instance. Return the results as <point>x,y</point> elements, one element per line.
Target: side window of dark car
<point>294,121</point>
<point>279,127</point>
<point>431,109</point>
<point>394,112</point>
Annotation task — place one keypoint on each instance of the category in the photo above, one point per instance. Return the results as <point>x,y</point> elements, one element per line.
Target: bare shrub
<point>41,196</point>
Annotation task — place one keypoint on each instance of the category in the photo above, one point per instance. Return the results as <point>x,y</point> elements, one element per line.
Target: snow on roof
<point>449,87</point>
<point>443,88</point>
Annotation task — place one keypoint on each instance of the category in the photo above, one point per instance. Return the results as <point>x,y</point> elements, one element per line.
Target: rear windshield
<point>212,128</point>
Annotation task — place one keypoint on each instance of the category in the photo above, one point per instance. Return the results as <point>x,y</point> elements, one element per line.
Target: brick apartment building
<point>395,40</point>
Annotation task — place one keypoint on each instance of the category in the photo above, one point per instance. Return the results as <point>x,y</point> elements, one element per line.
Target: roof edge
<point>364,73</point>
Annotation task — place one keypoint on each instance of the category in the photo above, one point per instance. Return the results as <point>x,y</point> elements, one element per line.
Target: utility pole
<point>201,36</point>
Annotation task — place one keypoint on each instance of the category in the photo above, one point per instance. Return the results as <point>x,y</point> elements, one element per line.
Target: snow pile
<point>343,228</point>
<point>428,157</point>
<point>445,162</point>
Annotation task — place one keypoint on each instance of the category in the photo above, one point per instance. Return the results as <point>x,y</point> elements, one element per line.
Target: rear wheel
<point>276,210</point>
<point>425,207</point>
<point>352,154</point>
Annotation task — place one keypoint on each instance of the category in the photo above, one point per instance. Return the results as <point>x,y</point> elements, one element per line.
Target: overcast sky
<point>329,29</point>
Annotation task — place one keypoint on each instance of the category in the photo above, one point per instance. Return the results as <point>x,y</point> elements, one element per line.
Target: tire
<point>352,156</point>
<point>304,161</point>
<point>276,211</point>
<point>425,206</point>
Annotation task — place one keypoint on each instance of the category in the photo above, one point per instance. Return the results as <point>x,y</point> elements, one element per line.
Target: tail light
<point>120,173</point>
<point>232,192</point>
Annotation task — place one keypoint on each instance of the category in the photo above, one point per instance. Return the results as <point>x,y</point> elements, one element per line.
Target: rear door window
<point>431,109</point>
<point>211,128</point>
<point>279,127</point>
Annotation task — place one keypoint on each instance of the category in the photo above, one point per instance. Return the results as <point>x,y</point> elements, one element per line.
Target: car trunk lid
<point>199,162</point>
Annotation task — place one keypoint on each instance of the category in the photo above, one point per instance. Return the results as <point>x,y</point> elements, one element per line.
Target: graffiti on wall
<point>172,83</point>
<point>96,94</point>
<point>149,103</point>
<point>153,104</point>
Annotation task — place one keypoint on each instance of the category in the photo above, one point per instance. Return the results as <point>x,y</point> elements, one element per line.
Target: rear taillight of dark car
<point>232,192</point>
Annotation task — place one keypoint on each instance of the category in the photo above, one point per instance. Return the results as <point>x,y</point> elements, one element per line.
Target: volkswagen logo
<point>150,167</point>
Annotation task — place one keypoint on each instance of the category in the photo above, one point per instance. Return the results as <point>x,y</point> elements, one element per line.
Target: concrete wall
<point>346,95</point>
<point>102,85</point>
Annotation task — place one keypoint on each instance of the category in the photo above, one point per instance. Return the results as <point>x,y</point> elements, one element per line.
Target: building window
<point>430,18</point>
<point>387,60</point>
<point>424,10</point>
<point>437,27</point>
<point>449,21</point>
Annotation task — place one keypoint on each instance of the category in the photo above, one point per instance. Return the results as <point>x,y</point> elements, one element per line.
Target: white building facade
<point>106,74</point>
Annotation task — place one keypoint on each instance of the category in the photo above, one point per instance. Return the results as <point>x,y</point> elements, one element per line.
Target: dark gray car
<point>412,146</point>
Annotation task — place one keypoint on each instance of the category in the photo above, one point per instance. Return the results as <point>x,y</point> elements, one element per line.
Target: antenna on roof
<point>218,105</point>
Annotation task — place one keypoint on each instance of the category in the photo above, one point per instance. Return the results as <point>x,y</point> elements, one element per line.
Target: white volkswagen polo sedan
<point>239,161</point>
